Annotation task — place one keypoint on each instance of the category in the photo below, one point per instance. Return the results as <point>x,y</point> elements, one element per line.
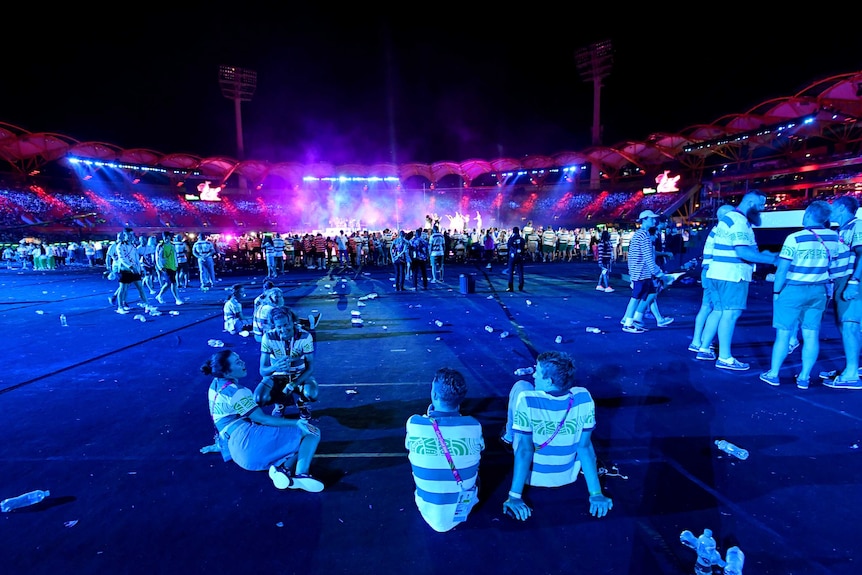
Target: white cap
<point>647,214</point>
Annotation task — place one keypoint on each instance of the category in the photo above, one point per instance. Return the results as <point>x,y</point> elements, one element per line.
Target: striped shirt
<point>732,231</point>
<point>850,234</point>
<point>816,256</point>
<point>297,348</point>
<point>641,257</point>
<point>708,246</point>
<point>606,252</point>
<point>229,402</point>
<point>436,489</point>
<point>537,415</point>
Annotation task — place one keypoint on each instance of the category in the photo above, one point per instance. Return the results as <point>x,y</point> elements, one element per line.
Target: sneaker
<point>179,302</point>
<point>839,383</point>
<point>665,321</point>
<point>707,355</point>
<point>122,311</point>
<point>306,482</point>
<point>278,410</point>
<point>609,289</point>
<point>280,477</point>
<point>304,412</point>
<point>801,383</point>
<point>732,364</point>
<point>633,329</point>
<point>600,288</point>
<point>694,348</point>
<point>770,379</point>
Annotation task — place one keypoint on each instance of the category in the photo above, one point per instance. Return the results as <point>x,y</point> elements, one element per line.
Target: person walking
<point>643,271</point>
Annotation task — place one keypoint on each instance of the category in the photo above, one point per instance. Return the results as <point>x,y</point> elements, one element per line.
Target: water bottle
<point>558,339</point>
<point>438,323</point>
<point>23,500</point>
<point>593,330</point>
<point>63,320</point>
<point>524,371</point>
<point>706,553</point>
<point>504,335</point>
<point>732,449</point>
<point>735,559</point>
<point>489,329</point>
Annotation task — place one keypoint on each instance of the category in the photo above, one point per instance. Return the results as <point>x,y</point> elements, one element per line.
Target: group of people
<point>245,433</point>
<point>817,268</point>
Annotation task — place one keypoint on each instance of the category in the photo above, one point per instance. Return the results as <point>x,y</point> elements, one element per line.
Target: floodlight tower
<point>237,84</point>
<point>594,64</point>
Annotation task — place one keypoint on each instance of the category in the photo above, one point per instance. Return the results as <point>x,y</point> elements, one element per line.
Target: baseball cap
<point>648,214</point>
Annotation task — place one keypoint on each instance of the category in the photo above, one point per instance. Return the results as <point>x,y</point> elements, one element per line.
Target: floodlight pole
<point>238,84</point>
<point>594,64</point>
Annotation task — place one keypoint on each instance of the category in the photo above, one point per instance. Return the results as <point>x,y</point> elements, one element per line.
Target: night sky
<point>425,84</point>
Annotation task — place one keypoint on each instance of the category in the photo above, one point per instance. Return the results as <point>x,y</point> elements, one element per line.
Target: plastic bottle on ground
<point>594,330</point>
<point>63,320</point>
<point>732,449</point>
<point>489,329</point>
<point>504,335</point>
<point>706,554</point>
<point>735,559</point>
<point>559,339</point>
<point>438,323</point>
<point>25,500</point>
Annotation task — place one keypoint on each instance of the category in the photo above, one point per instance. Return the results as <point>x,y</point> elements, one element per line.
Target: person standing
<point>166,263</point>
<point>182,250</point>
<point>643,270</point>
<point>808,260</point>
<point>268,247</point>
<point>734,254</point>
<point>204,251</point>
<point>517,248</point>
<point>848,304</point>
<point>437,248</point>
<point>444,451</point>
<point>704,314</point>
<point>400,252</point>
<point>129,265</point>
<point>252,439</point>
<point>605,259</point>
<point>552,426</point>
<point>278,244</point>
<point>419,259</point>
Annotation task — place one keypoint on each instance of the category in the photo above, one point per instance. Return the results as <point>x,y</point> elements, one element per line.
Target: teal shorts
<point>799,303</point>
<point>725,295</point>
<point>849,311</point>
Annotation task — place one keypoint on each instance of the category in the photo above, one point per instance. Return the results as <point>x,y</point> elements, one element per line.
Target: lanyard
<point>560,426</point>
<point>822,243</point>
<point>446,451</point>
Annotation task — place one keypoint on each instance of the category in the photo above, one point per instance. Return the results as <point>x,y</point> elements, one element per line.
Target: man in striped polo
<point>733,257</point>
<point>445,473</point>
<point>552,427</point>
<point>848,303</point>
<point>808,261</point>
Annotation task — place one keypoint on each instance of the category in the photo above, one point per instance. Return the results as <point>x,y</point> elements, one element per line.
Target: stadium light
<point>594,64</point>
<point>237,84</point>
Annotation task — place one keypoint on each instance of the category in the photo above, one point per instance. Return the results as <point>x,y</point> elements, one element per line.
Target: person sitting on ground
<point>271,298</point>
<point>234,318</point>
<point>251,438</point>
<point>552,427</point>
<point>287,366</point>
<point>444,451</point>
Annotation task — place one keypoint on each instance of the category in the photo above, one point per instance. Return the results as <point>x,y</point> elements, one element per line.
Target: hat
<point>647,214</point>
